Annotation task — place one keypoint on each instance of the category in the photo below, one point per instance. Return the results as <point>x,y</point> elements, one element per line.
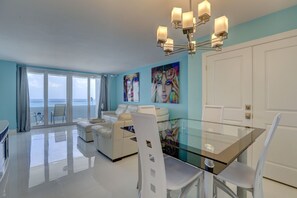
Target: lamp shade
<point>168,46</point>
<point>204,10</point>
<point>161,34</point>
<point>187,20</point>
<point>176,15</point>
<point>221,26</point>
<point>216,41</point>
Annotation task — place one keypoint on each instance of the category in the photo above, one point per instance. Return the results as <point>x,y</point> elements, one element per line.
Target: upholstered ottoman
<point>84,129</point>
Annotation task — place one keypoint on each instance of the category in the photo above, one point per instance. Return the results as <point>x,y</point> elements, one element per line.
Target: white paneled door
<point>275,90</point>
<point>264,76</point>
<point>227,82</point>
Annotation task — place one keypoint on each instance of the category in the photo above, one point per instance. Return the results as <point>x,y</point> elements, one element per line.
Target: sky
<point>57,87</point>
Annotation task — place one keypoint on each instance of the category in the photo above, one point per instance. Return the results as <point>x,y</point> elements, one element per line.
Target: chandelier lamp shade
<point>187,22</point>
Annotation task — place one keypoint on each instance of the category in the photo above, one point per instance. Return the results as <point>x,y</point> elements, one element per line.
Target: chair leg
<point>224,187</point>
<point>258,192</point>
<point>168,194</point>
<point>215,191</point>
<point>200,187</point>
<point>186,189</point>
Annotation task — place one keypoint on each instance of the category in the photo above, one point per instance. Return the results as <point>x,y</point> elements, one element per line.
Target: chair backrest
<point>151,156</point>
<point>60,110</point>
<point>147,109</point>
<point>263,155</point>
<point>212,113</point>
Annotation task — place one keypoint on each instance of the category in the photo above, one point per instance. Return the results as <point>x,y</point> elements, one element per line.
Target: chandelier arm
<point>208,42</point>
<point>210,48</point>
<point>180,50</point>
<point>204,43</point>
<point>180,46</point>
<point>176,51</point>
<point>201,22</point>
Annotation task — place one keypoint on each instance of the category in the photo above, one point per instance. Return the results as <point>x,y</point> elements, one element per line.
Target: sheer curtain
<point>23,100</point>
<point>103,99</point>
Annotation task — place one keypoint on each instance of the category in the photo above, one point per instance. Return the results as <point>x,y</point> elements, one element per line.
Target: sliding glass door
<point>36,91</point>
<point>79,98</point>
<point>59,98</point>
<point>94,96</point>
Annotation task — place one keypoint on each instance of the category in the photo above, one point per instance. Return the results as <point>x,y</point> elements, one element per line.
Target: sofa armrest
<point>107,112</point>
<point>117,129</point>
<point>118,132</point>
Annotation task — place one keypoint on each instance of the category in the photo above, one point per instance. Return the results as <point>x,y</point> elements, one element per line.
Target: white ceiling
<point>106,36</point>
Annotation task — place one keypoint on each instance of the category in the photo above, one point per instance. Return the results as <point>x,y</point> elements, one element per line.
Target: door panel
<point>228,83</point>
<point>274,90</point>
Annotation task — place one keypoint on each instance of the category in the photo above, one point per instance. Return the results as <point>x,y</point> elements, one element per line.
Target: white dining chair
<point>160,175</point>
<point>147,109</point>
<point>244,176</point>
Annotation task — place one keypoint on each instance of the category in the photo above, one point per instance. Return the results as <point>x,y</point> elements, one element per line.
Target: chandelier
<point>188,23</point>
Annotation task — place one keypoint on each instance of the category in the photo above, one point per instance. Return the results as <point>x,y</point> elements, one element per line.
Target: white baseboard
<point>12,132</point>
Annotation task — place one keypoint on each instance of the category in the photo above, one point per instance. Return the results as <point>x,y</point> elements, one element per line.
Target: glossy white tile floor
<point>55,163</point>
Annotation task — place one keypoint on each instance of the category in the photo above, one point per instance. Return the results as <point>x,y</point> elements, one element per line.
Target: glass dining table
<point>207,145</point>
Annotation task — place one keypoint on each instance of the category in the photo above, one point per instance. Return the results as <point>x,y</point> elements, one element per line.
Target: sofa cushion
<point>86,125</point>
<point>104,131</point>
<point>161,111</point>
<point>96,121</point>
<point>121,109</point>
<point>131,108</point>
<point>163,117</point>
<point>124,116</point>
<point>112,118</point>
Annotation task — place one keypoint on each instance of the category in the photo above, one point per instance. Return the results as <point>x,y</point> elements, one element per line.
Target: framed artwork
<point>165,83</point>
<point>131,87</point>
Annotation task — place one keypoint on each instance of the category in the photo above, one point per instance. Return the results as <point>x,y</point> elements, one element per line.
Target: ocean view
<point>79,110</point>
<point>52,102</point>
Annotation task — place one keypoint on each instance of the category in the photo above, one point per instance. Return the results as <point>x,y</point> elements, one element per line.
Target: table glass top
<point>205,143</point>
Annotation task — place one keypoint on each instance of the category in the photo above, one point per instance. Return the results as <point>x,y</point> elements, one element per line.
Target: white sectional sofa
<point>125,110</point>
<point>109,137</point>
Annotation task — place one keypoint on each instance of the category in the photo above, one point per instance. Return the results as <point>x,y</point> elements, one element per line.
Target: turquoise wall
<point>112,83</point>
<point>175,110</point>
<point>274,23</point>
<point>8,92</point>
